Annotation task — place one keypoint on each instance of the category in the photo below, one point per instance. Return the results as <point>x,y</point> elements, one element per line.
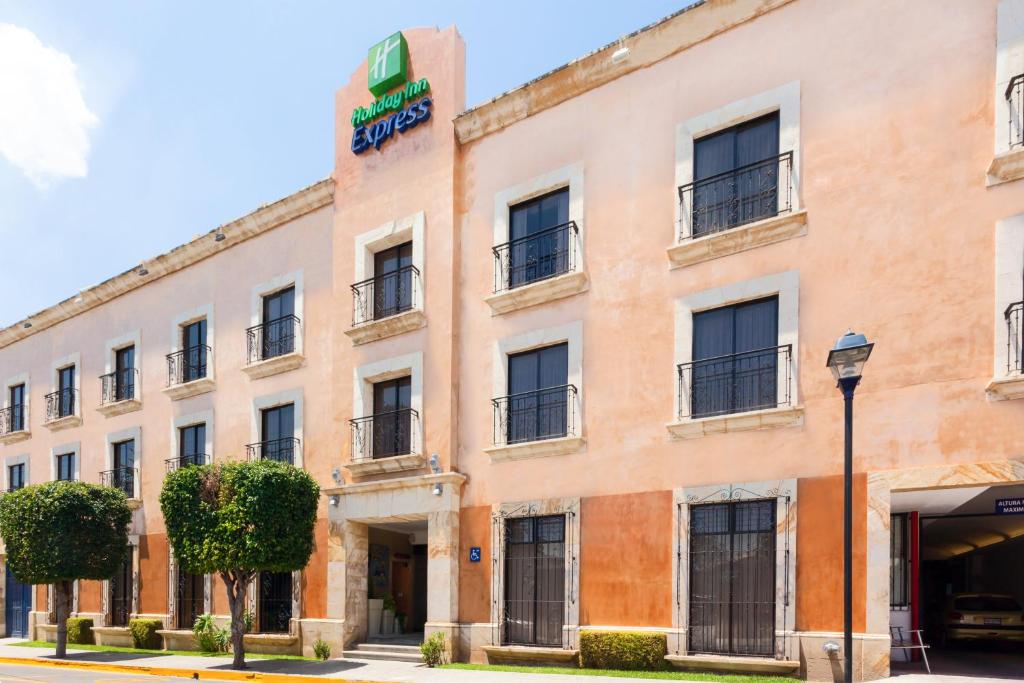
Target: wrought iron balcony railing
<point>542,255</point>
<point>734,198</point>
<point>1014,315</point>
<point>61,403</point>
<point>281,450</point>
<point>272,338</point>
<point>187,365</point>
<point>535,415</point>
<point>173,464</point>
<point>13,419</point>
<point>1015,101</point>
<point>119,386</point>
<point>385,295</point>
<point>384,435</point>
<point>736,383</point>
<point>121,478</point>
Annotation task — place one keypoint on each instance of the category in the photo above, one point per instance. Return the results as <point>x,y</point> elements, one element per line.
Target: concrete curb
<point>194,674</point>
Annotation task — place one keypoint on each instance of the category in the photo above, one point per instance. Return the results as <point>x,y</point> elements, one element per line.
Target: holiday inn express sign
<point>386,74</point>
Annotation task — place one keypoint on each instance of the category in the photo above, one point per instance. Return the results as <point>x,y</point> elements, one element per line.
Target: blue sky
<point>189,114</point>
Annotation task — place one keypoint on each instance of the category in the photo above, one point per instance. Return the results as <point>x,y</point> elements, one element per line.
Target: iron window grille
<point>274,606</point>
<point>272,338</point>
<point>119,386</point>
<point>1014,315</point>
<point>384,435</point>
<point>1015,101</point>
<point>735,383</point>
<point>12,419</point>
<point>121,594</point>
<point>191,601</point>
<point>535,415</point>
<point>187,365</point>
<point>121,478</point>
<point>191,460</point>
<point>385,295</point>
<point>61,403</point>
<point>534,600</point>
<point>279,450</point>
<point>734,198</point>
<point>899,558</point>
<point>542,255</point>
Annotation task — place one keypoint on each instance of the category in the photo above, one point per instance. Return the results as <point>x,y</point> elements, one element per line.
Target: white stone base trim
<point>737,422</point>
<point>395,463</point>
<point>390,326</point>
<point>1005,388</point>
<point>1006,167</point>
<point>119,407</point>
<point>275,365</point>
<point>759,233</point>
<point>543,291</point>
<point>196,387</point>
<point>536,449</point>
<point>15,437</point>
<point>64,423</point>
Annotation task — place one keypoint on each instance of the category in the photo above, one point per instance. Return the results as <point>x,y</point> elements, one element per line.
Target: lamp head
<point>847,358</point>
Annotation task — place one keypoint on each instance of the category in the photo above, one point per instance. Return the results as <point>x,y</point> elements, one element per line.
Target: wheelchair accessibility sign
<point>474,554</point>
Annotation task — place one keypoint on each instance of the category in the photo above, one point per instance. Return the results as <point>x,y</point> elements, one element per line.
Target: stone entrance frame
<point>881,486</point>
<point>434,498</point>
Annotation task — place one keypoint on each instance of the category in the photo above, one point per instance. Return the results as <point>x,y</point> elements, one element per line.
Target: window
<point>539,239</point>
<point>15,477</point>
<point>736,176</point>
<point>122,476</point>
<point>124,374</point>
<point>66,391</point>
<point>391,417</point>
<point>538,400</point>
<point>899,558</point>
<point>276,335</point>
<point>735,359</point>
<point>278,441</point>
<point>66,467</point>
<point>392,281</point>
<point>194,349</point>
<point>121,593</point>
<point>191,601</point>
<point>534,580</point>
<point>274,608</point>
<point>16,402</point>
<point>192,445</point>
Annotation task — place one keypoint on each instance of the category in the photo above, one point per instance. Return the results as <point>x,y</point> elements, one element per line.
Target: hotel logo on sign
<point>387,63</point>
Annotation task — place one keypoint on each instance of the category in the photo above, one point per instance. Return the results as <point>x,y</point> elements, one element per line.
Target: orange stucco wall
<point>314,576</point>
<point>90,596</point>
<point>819,557</point>
<point>626,559</point>
<point>153,568</point>
<point>475,577</point>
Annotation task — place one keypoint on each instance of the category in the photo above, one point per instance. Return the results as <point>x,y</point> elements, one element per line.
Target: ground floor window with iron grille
<point>274,602</point>
<point>121,593</point>
<point>535,580</point>
<point>190,598</point>
<point>732,578</point>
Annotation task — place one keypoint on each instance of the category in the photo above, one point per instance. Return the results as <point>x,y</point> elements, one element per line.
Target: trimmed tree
<point>239,519</point>
<point>61,531</point>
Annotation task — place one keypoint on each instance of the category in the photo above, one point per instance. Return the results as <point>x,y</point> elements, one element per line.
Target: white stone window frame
<point>784,492</point>
<point>365,376</point>
<point>500,513</point>
<point>281,282</point>
<point>367,245</point>
<point>785,285</point>
<point>1009,285</point>
<point>204,312</point>
<point>133,434</point>
<point>64,449</point>
<point>13,381</point>
<point>784,99</point>
<point>280,398</point>
<point>570,176</point>
<point>204,417</point>
<point>72,359</point>
<point>13,460</point>
<point>1009,63</point>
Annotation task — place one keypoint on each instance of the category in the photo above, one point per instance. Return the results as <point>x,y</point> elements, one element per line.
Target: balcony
<point>274,346</point>
<point>736,392</point>
<point>192,460</point>
<point>14,425</point>
<point>120,392</point>
<point>189,372</point>
<point>122,479</point>
<point>537,268</point>
<point>1011,385</point>
<point>279,450</point>
<point>536,424</point>
<point>62,410</point>
<point>386,442</point>
<point>1009,164</point>
<point>386,305</point>
<point>737,210</point>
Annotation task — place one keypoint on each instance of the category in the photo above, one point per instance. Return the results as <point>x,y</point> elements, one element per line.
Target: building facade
<point>558,360</point>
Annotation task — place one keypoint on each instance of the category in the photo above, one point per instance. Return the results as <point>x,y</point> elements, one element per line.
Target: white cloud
<point>44,121</point>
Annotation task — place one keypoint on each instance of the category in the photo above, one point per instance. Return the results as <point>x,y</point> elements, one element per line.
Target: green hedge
<point>80,631</point>
<point>144,633</point>
<point>623,650</point>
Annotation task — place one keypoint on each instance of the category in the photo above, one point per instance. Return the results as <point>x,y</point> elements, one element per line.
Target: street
<point>31,674</point>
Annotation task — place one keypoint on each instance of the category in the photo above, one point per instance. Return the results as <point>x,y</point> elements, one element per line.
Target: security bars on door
<point>534,600</point>
<point>119,385</point>
<point>385,295</point>
<point>190,599</point>
<point>274,602</point>
<point>121,478</point>
<point>542,255</point>
<point>1014,316</point>
<point>744,195</point>
<point>735,383</point>
<point>535,415</point>
<point>121,594</point>
<point>281,450</point>
<point>1015,101</point>
<point>272,338</point>
<point>61,403</point>
<point>384,435</point>
<point>187,365</point>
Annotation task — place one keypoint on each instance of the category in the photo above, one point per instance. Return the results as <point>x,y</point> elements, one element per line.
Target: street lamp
<point>846,361</point>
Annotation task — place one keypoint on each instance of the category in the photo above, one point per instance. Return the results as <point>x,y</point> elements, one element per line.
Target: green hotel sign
<point>387,68</point>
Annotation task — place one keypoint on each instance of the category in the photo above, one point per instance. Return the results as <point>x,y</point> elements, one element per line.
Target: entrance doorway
<point>18,597</point>
<point>397,582</point>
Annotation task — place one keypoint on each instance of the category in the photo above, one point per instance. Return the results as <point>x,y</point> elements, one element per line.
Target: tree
<point>236,520</point>
<point>61,531</point>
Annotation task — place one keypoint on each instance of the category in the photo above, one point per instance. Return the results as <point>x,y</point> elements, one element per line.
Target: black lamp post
<point>846,361</point>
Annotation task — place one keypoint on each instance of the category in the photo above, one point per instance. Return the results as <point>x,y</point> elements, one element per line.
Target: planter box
<point>178,639</point>
<point>117,636</point>
<point>272,643</point>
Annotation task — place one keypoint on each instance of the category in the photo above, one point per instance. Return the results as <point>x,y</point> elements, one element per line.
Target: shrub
<point>322,650</point>
<point>389,603</point>
<point>80,630</point>
<point>433,650</point>
<point>210,637</point>
<point>623,650</point>
<point>144,633</point>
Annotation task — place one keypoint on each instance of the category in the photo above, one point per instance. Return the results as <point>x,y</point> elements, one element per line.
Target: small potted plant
<point>399,622</point>
<point>387,617</point>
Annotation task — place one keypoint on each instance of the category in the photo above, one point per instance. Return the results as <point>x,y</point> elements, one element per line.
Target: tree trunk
<point>236,583</point>
<point>62,597</point>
